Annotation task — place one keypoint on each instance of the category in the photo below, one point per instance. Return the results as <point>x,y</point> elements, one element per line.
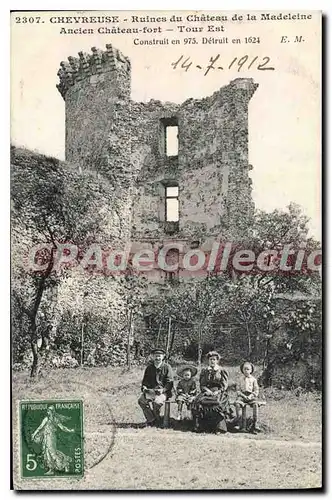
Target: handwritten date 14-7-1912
<point>237,63</point>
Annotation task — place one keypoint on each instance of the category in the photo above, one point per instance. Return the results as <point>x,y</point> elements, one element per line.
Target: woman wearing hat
<point>156,387</point>
<point>186,389</point>
<point>211,409</point>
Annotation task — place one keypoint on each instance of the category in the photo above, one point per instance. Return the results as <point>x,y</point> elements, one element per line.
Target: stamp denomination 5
<point>51,435</point>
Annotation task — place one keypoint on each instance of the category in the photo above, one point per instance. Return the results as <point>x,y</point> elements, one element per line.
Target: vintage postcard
<point>166,250</point>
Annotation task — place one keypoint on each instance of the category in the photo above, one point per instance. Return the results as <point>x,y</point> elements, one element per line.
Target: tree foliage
<point>92,317</point>
<point>51,203</point>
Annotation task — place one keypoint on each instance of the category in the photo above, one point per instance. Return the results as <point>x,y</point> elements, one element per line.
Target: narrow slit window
<point>172,203</point>
<point>172,140</point>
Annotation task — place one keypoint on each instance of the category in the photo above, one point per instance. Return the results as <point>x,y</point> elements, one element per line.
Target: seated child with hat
<point>247,394</point>
<point>186,389</point>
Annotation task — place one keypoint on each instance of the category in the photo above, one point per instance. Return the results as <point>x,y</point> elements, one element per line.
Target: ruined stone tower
<point>205,183</point>
<point>96,90</point>
<point>94,87</point>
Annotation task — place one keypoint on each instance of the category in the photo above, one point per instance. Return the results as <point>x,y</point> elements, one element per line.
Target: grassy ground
<point>120,455</point>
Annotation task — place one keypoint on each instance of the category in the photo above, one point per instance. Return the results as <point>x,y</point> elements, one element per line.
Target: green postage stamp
<point>51,438</point>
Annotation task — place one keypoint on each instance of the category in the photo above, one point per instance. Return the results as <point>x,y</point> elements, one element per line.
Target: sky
<point>284,113</point>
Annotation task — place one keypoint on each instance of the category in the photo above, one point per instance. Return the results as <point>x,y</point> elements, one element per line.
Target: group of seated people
<point>208,403</point>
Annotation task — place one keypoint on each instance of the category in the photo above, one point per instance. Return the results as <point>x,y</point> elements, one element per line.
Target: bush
<point>295,354</point>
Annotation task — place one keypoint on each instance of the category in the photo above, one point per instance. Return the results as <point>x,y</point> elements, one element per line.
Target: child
<point>186,389</point>
<point>247,394</point>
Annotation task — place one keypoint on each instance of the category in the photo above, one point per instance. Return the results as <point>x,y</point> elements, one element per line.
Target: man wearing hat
<point>157,385</point>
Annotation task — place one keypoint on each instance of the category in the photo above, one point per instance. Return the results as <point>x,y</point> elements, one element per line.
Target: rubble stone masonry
<point>124,141</point>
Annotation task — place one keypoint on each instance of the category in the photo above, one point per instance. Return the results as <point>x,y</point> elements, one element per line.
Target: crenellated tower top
<point>90,67</point>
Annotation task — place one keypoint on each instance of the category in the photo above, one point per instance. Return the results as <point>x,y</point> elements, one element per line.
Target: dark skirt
<point>211,413</point>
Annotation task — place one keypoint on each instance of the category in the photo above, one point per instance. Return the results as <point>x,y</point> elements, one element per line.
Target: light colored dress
<point>53,458</point>
<point>248,389</point>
